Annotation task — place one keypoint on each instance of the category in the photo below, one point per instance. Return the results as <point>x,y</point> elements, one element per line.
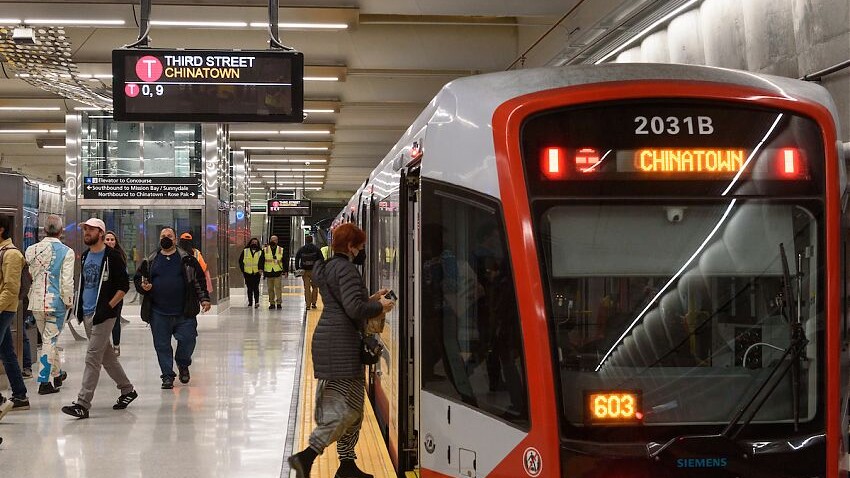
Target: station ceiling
<point>371,78</point>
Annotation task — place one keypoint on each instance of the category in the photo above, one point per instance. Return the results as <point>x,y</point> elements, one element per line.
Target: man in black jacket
<point>305,259</point>
<point>174,290</point>
<point>103,283</point>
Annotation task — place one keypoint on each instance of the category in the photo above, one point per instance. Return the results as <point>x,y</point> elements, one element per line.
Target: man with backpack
<point>11,269</point>
<point>51,264</point>
<point>103,283</point>
<point>305,259</point>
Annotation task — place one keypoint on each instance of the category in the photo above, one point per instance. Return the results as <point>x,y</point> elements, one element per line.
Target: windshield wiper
<point>798,341</point>
<point>727,438</point>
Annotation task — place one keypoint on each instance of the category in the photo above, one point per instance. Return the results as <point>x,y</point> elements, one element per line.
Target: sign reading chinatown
<point>133,187</point>
<point>218,86</point>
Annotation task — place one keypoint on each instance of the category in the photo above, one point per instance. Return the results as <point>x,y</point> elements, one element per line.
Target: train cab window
<point>472,341</point>
<point>686,311</point>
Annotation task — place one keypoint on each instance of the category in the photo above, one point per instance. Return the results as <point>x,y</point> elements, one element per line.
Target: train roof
<point>455,129</point>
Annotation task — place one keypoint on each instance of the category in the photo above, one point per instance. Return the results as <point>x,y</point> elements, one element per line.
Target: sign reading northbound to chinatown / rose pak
<point>218,86</point>
<point>133,187</point>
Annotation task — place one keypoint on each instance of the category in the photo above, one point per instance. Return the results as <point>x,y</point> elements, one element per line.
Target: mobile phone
<point>390,295</point>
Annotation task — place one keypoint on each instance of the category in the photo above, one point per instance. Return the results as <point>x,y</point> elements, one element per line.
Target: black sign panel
<point>290,207</point>
<point>208,86</point>
<point>134,187</point>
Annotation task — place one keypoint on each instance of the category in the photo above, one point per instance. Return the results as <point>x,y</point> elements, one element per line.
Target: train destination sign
<point>208,85</point>
<point>133,187</point>
<point>289,207</point>
<point>695,160</point>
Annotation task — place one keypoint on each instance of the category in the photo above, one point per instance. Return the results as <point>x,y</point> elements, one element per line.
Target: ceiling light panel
<point>198,24</point>
<point>303,26</point>
<point>69,22</point>
<point>30,108</point>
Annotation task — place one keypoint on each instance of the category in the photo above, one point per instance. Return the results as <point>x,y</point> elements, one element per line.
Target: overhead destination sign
<point>208,85</point>
<point>290,207</point>
<point>133,187</point>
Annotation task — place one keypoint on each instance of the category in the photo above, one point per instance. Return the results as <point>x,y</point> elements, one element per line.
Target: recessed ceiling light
<point>253,132</point>
<point>29,108</point>
<point>57,131</point>
<point>9,21</point>
<point>260,159</point>
<point>319,110</point>
<point>321,78</point>
<point>62,21</point>
<point>211,24</point>
<point>293,131</point>
<point>306,148</point>
<point>303,26</point>
<point>293,170</point>
<point>90,108</point>
<point>24,131</point>
<point>53,146</point>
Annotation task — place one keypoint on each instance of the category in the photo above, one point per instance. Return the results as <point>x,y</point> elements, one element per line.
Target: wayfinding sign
<point>220,86</point>
<point>134,187</point>
<point>289,207</point>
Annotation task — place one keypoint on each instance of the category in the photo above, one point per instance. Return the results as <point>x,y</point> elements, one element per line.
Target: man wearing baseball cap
<point>103,283</point>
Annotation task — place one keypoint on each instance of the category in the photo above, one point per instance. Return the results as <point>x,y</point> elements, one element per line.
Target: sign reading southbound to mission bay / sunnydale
<point>131,187</point>
<point>208,86</point>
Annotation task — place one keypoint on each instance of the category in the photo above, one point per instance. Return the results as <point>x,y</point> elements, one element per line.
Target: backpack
<point>309,258</point>
<point>26,277</point>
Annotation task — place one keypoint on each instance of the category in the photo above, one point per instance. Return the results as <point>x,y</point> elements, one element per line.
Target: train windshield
<point>682,253</point>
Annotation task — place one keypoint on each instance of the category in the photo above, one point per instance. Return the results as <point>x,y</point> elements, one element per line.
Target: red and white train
<point>631,271</point>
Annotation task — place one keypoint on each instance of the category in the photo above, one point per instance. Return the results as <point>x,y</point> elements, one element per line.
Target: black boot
<point>348,469</point>
<point>302,462</point>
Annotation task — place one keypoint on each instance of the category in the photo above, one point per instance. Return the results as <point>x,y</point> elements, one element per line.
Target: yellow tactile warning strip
<point>372,456</point>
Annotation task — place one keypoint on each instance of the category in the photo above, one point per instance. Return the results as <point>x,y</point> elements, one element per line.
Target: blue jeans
<point>184,329</point>
<point>10,359</point>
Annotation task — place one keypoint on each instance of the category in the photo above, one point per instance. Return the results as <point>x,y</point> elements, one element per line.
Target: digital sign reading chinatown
<point>208,86</point>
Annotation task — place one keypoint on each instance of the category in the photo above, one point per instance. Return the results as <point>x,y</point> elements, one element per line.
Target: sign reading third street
<point>134,187</point>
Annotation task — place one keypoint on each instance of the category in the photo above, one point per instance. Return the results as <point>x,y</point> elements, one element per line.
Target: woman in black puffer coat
<point>336,353</point>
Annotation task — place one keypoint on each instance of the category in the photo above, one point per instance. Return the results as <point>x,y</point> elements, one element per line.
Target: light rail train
<point>631,271</point>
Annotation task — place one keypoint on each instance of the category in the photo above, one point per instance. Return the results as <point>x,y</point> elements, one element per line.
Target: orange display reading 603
<point>691,161</point>
<point>613,407</point>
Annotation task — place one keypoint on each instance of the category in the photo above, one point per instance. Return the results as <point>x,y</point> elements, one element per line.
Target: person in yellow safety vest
<point>274,263</point>
<point>188,245</point>
<point>249,264</point>
<point>326,252</point>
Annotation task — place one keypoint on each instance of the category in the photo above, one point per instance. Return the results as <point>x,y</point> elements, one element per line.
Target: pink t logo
<point>148,68</point>
<point>131,90</point>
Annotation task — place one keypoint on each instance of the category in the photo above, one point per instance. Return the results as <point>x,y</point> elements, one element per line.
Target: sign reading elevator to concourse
<point>132,187</point>
<point>215,86</point>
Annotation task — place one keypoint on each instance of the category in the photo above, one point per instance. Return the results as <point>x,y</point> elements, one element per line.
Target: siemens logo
<point>702,462</point>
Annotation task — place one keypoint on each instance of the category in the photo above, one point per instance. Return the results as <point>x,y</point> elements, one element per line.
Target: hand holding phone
<point>390,295</point>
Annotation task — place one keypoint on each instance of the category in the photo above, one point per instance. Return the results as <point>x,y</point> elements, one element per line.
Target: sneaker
<point>279,306</point>
<point>19,404</point>
<point>308,307</point>
<point>313,306</point>
<point>5,406</point>
<point>124,400</point>
<point>184,374</point>
<point>27,373</point>
<point>348,469</point>
<point>57,381</point>
<point>75,410</point>
<point>300,464</point>
<point>257,305</point>
<point>250,304</point>
<point>167,382</point>
<point>117,349</point>
<point>47,388</point>
<point>271,306</point>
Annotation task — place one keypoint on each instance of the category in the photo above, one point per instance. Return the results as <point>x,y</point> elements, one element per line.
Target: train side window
<point>472,339</point>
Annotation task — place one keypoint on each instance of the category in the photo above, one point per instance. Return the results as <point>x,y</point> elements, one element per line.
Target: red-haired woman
<point>336,353</point>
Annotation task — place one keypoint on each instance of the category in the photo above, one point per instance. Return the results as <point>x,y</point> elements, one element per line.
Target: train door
<point>473,400</point>
<point>409,306</point>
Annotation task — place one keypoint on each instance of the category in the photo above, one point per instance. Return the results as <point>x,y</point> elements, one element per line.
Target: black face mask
<point>360,258</point>
<point>166,243</point>
<point>254,246</point>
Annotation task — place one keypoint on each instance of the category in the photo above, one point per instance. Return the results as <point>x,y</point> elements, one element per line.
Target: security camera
<point>23,36</point>
<point>675,214</point>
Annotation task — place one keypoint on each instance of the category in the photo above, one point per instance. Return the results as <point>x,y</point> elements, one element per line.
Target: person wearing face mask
<point>336,353</point>
<point>274,264</point>
<point>174,291</point>
<point>249,264</point>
